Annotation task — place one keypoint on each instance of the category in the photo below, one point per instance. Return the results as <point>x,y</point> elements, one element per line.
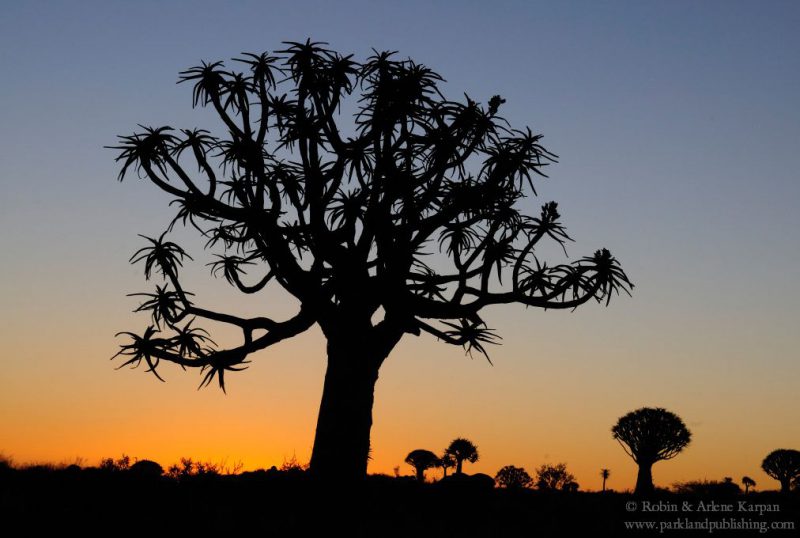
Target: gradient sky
<point>678,128</point>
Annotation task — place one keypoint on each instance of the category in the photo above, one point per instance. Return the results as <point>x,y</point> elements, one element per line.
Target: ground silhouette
<point>44,500</point>
<point>406,218</point>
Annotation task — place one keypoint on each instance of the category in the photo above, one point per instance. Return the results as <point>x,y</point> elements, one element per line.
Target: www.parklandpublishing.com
<point>710,525</point>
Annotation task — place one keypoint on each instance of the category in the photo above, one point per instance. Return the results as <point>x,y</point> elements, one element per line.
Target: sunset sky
<point>678,130</point>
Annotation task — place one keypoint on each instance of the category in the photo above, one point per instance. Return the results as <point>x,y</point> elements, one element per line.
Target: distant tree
<point>571,486</point>
<point>410,218</point>
<point>604,474</point>
<point>447,461</point>
<point>553,477</point>
<point>513,477</point>
<point>748,483</point>
<point>422,460</point>
<point>783,465</point>
<point>462,450</point>
<point>649,435</point>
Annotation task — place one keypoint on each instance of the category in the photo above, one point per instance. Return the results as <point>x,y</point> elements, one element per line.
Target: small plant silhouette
<point>748,483</point>
<point>121,464</point>
<point>783,465</point>
<point>462,450</point>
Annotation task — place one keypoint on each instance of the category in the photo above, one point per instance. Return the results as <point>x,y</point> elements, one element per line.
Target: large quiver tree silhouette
<point>649,435</point>
<point>783,465</point>
<point>404,221</point>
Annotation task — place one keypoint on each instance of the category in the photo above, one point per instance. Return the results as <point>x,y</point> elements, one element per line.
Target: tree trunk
<point>459,465</point>
<point>604,484</point>
<point>786,484</point>
<point>644,481</point>
<point>420,475</point>
<point>341,445</point>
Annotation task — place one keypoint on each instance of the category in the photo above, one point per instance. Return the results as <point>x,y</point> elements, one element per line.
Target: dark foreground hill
<point>43,501</point>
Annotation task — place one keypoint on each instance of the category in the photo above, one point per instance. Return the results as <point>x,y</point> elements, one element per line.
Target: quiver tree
<point>783,465</point>
<point>649,435</point>
<point>405,220</point>
<point>462,450</point>
<point>422,460</point>
<point>447,461</point>
<point>748,483</point>
<point>604,474</point>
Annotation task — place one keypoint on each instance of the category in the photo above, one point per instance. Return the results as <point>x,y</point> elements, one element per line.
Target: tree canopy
<point>346,217</point>
<point>783,465</point>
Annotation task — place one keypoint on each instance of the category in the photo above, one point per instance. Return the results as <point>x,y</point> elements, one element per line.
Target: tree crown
<point>782,464</point>
<point>413,207</point>
<point>422,459</point>
<point>651,434</point>
<point>463,450</point>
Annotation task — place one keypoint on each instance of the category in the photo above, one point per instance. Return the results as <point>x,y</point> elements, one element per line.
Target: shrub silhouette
<point>748,483</point>
<point>513,477</point>
<point>708,488</point>
<point>146,469</point>
<point>345,225</point>
<point>462,450</point>
<point>421,460</point>
<point>783,465</point>
<point>649,435</point>
<point>554,477</point>
<point>121,464</point>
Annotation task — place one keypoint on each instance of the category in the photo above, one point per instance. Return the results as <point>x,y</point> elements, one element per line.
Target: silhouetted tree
<point>344,216</point>
<point>748,483</point>
<point>605,473</point>
<point>649,435</point>
<point>783,465</point>
<point>513,477</point>
<point>462,450</point>
<point>446,462</point>
<point>422,460</point>
<point>553,477</point>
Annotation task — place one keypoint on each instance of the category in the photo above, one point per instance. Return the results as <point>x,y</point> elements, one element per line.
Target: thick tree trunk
<point>341,446</point>
<point>644,481</point>
<point>459,465</point>
<point>786,485</point>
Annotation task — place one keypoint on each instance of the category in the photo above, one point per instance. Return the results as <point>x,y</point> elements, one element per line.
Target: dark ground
<point>47,502</point>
